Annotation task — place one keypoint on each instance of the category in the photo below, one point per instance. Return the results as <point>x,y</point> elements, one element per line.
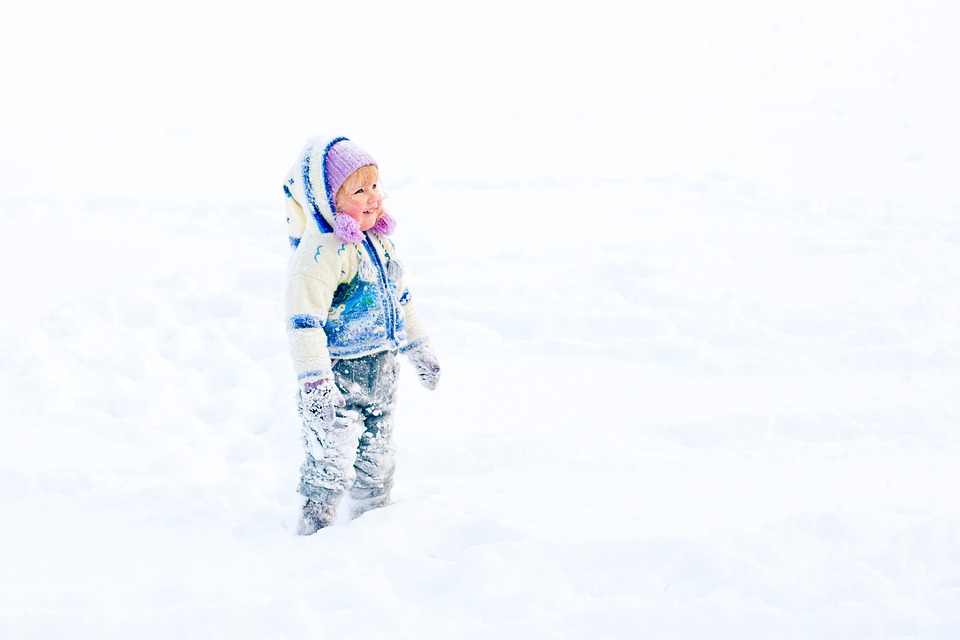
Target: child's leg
<point>369,385</point>
<point>328,469</point>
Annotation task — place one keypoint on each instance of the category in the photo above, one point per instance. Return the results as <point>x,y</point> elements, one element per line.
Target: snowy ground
<point>694,277</point>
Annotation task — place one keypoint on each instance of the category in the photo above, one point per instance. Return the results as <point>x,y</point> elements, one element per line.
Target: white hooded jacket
<point>343,299</point>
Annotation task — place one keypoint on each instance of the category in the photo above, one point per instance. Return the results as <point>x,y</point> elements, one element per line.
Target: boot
<point>314,517</point>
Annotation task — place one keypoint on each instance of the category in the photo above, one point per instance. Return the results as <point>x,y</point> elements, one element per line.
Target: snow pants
<point>356,453</point>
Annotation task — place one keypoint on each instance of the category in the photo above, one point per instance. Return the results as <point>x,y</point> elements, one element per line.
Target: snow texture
<point>692,271</point>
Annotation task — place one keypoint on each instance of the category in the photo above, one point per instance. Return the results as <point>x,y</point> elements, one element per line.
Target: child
<point>348,314</point>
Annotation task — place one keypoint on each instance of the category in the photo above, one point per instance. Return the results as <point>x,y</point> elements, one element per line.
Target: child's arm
<point>417,347</point>
<point>312,278</point>
<point>416,333</point>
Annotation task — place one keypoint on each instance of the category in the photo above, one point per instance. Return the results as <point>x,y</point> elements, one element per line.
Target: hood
<point>306,183</point>
<point>313,182</point>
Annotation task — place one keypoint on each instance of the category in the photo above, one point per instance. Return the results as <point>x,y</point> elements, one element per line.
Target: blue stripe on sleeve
<point>304,322</point>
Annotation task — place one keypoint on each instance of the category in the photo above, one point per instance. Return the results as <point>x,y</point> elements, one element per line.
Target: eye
<point>358,191</point>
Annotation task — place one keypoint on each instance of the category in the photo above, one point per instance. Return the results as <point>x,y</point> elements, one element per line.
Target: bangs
<point>366,173</point>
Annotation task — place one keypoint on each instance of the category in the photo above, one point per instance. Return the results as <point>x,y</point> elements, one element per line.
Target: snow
<point>692,271</point>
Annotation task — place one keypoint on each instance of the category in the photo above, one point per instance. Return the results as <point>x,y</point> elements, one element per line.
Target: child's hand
<point>320,400</point>
<point>426,364</point>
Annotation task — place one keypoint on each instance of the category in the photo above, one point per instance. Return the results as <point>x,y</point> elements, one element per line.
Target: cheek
<point>352,209</point>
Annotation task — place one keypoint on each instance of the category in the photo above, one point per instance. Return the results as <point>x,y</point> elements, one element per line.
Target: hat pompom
<point>386,225</point>
<point>346,228</point>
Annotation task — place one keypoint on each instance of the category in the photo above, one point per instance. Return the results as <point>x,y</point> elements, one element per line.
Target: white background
<point>692,270</point>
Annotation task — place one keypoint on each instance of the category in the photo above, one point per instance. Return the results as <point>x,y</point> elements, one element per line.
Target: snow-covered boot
<point>314,517</point>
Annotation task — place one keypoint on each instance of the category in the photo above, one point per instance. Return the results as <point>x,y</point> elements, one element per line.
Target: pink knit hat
<point>343,158</point>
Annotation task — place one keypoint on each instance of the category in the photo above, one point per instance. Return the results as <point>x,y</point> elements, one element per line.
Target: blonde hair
<point>361,175</point>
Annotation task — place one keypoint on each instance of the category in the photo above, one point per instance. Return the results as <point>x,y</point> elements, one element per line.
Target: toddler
<point>349,313</point>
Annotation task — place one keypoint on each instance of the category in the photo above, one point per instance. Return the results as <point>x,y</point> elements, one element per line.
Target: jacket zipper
<point>384,287</point>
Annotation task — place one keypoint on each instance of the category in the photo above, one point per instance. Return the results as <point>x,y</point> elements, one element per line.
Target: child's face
<point>361,198</point>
